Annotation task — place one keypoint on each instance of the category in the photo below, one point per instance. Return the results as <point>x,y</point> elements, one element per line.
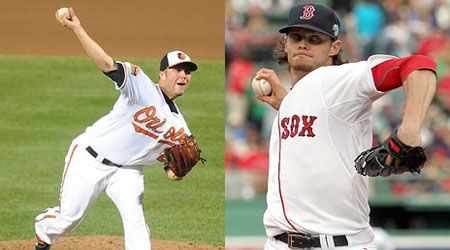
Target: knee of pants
<point>70,225</point>
<point>132,212</point>
<point>135,222</point>
<point>129,206</point>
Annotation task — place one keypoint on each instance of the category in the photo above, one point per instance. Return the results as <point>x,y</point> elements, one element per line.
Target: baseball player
<point>109,156</point>
<point>315,197</point>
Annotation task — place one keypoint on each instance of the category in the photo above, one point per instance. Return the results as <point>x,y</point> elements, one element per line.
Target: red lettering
<point>284,123</point>
<point>394,146</point>
<point>307,126</point>
<point>308,12</point>
<point>291,126</point>
<point>294,125</point>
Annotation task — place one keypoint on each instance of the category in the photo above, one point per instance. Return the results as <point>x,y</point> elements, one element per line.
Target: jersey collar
<point>169,102</point>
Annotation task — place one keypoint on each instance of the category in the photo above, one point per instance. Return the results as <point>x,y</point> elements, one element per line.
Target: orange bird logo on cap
<point>181,56</point>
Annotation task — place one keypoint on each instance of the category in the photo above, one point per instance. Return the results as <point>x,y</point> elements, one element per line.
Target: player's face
<point>176,81</point>
<point>308,49</point>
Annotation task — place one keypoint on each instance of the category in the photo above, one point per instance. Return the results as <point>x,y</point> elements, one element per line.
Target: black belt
<point>296,240</point>
<point>105,161</point>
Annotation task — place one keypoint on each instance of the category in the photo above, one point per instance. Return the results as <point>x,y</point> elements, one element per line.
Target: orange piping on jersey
<point>143,131</point>
<point>64,175</point>
<point>279,178</point>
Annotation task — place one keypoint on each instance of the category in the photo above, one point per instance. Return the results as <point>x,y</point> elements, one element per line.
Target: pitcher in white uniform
<point>315,198</point>
<point>109,156</point>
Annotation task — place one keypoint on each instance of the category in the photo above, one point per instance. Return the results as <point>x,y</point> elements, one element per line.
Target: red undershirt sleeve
<point>390,74</point>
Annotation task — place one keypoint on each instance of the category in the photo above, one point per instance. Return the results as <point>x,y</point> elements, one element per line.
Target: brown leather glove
<point>183,157</point>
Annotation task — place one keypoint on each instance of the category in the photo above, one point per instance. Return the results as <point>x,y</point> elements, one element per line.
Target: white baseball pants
<point>83,180</point>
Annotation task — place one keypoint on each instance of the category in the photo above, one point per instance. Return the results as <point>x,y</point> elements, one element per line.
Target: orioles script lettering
<point>146,122</point>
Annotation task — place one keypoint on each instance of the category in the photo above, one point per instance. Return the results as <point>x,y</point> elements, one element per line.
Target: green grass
<point>45,102</point>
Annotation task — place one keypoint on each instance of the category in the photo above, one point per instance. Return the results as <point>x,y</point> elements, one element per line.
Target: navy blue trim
<point>118,75</point>
<point>169,102</point>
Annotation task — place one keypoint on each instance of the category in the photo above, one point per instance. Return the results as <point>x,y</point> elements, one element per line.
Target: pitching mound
<point>104,242</point>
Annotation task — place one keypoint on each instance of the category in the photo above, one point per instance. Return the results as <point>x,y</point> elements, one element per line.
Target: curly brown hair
<point>281,56</point>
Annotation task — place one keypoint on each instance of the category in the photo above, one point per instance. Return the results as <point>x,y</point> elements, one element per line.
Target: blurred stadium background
<point>409,211</point>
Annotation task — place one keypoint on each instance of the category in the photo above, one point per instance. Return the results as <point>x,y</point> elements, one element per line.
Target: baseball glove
<point>372,162</point>
<point>183,157</point>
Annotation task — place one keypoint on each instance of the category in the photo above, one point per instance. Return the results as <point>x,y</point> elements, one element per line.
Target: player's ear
<point>284,43</point>
<point>162,75</point>
<point>336,47</point>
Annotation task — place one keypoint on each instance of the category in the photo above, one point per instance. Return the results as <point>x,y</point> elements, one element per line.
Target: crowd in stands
<point>395,27</point>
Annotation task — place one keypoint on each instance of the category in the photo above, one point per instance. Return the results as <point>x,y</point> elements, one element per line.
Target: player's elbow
<point>107,66</point>
<point>425,61</point>
<point>423,80</point>
<point>420,63</point>
<point>417,64</point>
<point>104,62</point>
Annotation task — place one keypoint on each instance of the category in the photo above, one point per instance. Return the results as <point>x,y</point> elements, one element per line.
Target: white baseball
<point>62,12</point>
<point>261,87</point>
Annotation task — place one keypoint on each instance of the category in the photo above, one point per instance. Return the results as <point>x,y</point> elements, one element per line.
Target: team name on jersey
<point>291,126</point>
<point>146,122</point>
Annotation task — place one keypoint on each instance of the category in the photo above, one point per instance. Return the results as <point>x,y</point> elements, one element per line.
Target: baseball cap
<point>177,57</point>
<point>315,17</point>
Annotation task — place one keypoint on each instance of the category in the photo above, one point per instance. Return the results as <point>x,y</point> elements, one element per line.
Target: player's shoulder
<point>355,67</point>
<point>128,66</point>
<point>141,75</point>
<point>140,79</point>
<point>378,58</point>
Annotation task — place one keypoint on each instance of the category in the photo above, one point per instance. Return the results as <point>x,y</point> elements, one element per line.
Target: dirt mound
<point>104,242</point>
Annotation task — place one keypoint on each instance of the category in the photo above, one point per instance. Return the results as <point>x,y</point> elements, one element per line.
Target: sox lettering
<point>308,12</point>
<point>291,126</point>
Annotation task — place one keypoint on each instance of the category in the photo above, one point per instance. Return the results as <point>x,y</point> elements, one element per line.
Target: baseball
<point>62,12</point>
<point>261,87</point>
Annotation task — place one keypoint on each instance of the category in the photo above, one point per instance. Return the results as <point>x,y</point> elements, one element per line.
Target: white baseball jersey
<point>141,124</point>
<point>322,125</point>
